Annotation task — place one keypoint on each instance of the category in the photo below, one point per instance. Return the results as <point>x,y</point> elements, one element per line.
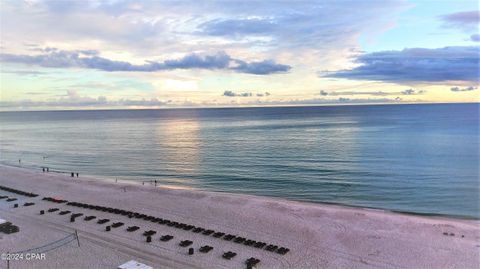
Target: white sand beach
<point>317,235</point>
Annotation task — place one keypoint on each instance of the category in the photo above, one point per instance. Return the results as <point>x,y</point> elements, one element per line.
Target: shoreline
<point>173,187</point>
<point>317,235</point>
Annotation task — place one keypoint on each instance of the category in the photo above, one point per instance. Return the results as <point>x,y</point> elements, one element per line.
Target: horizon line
<point>246,106</point>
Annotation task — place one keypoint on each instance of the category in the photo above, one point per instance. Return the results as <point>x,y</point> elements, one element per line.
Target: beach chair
<point>166,238</point>
<point>205,249</point>
<point>229,255</point>
<point>185,243</point>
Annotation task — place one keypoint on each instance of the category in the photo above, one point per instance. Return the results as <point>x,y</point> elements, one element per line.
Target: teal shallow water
<point>412,158</point>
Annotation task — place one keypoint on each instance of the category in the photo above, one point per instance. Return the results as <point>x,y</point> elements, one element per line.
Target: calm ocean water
<point>413,158</point>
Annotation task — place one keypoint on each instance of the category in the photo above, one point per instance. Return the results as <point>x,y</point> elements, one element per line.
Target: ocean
<point>420,159</point>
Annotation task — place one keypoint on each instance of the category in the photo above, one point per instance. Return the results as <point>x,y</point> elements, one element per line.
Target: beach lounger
<point>229,237</point>
<point>239,240</point>
<point>149,233</point>
<point>65,212</point>
<point>271,248</point>
<point>185,243</point>
<point>117,224</point>
<point>205,249</point>
<point>52,210</point>
<point>74,216</point>
<point>188,227</point>
<point>283,250</point>
<point>251,262</point>
<point>198,230</point>
<point>249,242</point>
<point>102,221</point>
<point>54,200</point>
<point>208,232</point>
<point>218,234</point>
<point>166,238</point>
<point>132,228</point>
<point>259,245</point>
<point>229,255</point>
<point>89,218</point>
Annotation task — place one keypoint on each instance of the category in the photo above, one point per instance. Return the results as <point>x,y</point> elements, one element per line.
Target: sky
<point>94,54</point>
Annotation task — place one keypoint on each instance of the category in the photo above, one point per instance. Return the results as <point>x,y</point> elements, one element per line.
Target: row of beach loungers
<point>178,225</point>
<point>19,192</point>
<point>251,262</point>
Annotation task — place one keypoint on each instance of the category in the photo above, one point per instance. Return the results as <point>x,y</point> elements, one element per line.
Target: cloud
<point>237,27</point>
<point>465,19</point>
<point>263,94</point>
<point>373,93</point>
<point>261,68</point>
<point>412,92</point>
<point>359,101</point>
<point>103,102</point>
<point>244,94</point>
<point>89,59</point>
<point>458,89</point>
<point>416,65</point>
<point>151,27</point>
<point>233,94</point>
<point>73,99</point>
<point>340,100</point>
<point>286,24</point>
